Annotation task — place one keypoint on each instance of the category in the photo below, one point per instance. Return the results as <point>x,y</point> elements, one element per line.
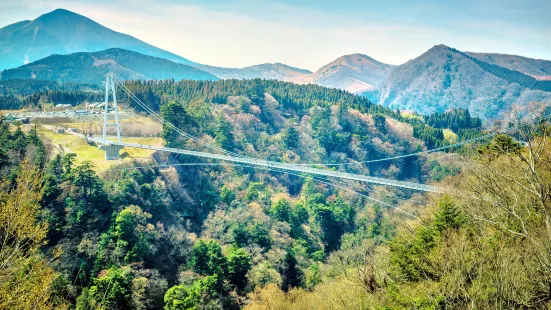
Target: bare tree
<point>509,190</point>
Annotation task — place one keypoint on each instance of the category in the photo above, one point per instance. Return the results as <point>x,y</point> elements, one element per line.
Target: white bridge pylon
<point>112,150</point>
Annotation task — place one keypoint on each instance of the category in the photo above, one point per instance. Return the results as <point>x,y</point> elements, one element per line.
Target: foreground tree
<point>487,245</point>
<point>511,196</point>
<point>26,277</point>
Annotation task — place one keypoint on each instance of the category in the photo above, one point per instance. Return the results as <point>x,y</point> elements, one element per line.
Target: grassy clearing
<point>450,136</point>
<point>73,144</point>
<point>137,126</point>
<point>411,115</point>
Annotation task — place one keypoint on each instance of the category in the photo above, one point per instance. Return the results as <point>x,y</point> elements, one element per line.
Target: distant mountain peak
<point>357,58</point>
<point>86,67</point>
<point>62,13</point>
<point>444,78</point>
<point>442,46</point>
<point>355,73</point>
<point>279,65</point>
<point>63,32</point>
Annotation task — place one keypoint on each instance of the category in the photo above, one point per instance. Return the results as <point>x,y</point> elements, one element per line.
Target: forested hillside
<point>226,237</point>
<point>23,88</point>
<point>91,68</point>
<point>444,78</point>
<point>209,237</point>
<point>17,94</point>
<point>294,101</point>
<point>483,246</point>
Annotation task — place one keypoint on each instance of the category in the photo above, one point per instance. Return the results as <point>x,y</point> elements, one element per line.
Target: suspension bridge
<point>112,148</point>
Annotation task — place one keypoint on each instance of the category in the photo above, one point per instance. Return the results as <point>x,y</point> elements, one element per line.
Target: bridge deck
<point>284,166</point>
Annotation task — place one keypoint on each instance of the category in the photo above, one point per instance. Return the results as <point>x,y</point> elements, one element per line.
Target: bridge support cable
<point>153,113</point>
<point>285,166</point>
<point>233,157</point>
<point>458,144</point>
<point>405,155</point>
<point>225,164</point>
<point>332,183</point>
<point>170,125</point>
<point>159,118</point>
<point>323,181</point>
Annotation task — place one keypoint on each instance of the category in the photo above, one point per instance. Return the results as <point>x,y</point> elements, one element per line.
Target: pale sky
<point>310,33</point>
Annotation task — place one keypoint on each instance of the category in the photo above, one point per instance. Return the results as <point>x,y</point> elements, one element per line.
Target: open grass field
<point>72,144</point>
<point>135,126</point>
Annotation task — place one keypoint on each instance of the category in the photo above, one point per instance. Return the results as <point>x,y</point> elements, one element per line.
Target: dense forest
<point>24,88</point>
<point>17,94</point>
<point>225,238</point>
<point>91,67</point>
<point>297,99</point>
<point>230,237</point>
<point>456,120</point>
<point>488,249</point>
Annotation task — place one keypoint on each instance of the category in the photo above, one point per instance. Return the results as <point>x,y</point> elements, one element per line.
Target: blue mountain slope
<point>92,68</point>
<point>64,32</point>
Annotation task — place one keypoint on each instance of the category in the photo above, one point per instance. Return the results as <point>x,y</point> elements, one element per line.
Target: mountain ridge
<point>422,84</point>
<point>277,71</point>
<point>91,67</point>
<point>354,72</point>
<point>531,66</point>
<point>443,78</point>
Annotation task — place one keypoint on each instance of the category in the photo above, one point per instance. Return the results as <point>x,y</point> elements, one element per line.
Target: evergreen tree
<point>291,137</point>
<point>239,264</point>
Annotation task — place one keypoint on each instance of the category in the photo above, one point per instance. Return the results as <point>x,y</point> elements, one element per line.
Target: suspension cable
<point>172,126</point>
<point>327,182</point>
<point>163,121</point>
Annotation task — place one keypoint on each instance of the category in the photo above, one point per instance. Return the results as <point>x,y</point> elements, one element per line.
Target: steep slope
<point>92,67</point>
<point>538,68</point>
<point>276,71</point>
<point>355,73</point>
<point>64,32</point>
<point>444,78</point>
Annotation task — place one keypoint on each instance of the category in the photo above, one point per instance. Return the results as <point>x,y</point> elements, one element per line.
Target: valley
<point>134,178</point>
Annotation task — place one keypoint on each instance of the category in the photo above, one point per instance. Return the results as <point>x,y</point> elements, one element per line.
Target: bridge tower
<point>111,151</point>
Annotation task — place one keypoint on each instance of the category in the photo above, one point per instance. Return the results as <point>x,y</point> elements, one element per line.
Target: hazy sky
<point>311,33</point>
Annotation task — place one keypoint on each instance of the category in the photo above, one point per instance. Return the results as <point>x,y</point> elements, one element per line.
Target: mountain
<point>277,71</point>
<point>65,32</point>
<point>92,67</point>
<point>538,68</point>
<point>355,73</point>
<point>444,78</point>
